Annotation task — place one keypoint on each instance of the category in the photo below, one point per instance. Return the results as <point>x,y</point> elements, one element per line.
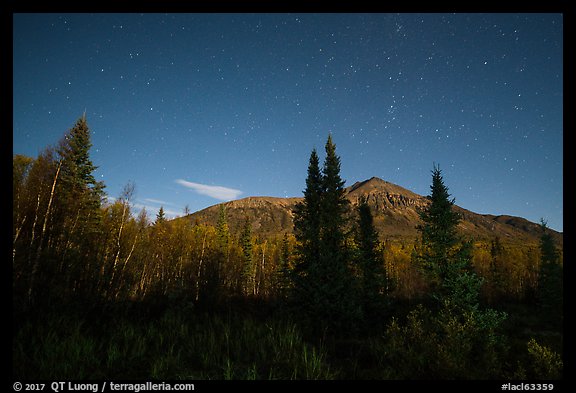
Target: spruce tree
<point>160,216</point>
<point>305,275</point>
<point>248,267</point>
<point>285,252</point>
<point>72,221</point>
<point>307,217</point>
<point>333,212</point>
<point>438,231</point>
<point>80,195</point>
<point>440,220</point>
<point>338,294</point>
<point>282,274</point>
<point>470,335</point>
<point>323,283</point>
<point>373,275</point>
<point>223,233</point>
<point>550,282</point>
<point>446,258</point>
<point>78,169</point>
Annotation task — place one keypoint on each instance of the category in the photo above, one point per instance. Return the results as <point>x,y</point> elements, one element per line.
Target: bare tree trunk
<point>142,285</point>
<point>39,250</point>
<point>126,261</point>
<point>118,247</point>
<point>69,241</point>
<point>200,266</point>
<point>33,236</point>
<point>260,276</point>
<point>16,235</point>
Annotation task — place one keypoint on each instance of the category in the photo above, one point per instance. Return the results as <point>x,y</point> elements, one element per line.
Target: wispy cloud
<point>157,201</point>
<point>216,192</point>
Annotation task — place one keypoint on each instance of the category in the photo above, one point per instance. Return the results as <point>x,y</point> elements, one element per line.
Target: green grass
<point>172,347</point>
<point>183,344</point>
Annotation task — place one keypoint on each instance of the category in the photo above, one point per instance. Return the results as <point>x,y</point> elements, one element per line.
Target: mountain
<point>395,211</point>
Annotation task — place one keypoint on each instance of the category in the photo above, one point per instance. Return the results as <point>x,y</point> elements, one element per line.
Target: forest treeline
<point>442,307</point>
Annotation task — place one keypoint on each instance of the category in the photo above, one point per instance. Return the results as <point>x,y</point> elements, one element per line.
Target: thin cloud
<point>161,202</point>
<point>216,192</point>
<point>157,201</point>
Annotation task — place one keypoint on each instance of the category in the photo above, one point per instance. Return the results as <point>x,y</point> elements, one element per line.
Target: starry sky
<point>195,109</point>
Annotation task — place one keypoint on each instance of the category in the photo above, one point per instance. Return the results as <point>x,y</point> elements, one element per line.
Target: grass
<point>172,347</point>
<point>188,344</point>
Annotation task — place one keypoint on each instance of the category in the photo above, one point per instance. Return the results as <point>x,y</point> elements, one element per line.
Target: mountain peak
<point>372,180</point>
<point>375,184</point>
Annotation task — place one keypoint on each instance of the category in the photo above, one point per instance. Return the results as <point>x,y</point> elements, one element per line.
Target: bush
<point>445,345</point>
<point>545,363</point>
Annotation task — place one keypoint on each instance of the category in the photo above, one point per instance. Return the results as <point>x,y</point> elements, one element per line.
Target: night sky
<point>200,108</point>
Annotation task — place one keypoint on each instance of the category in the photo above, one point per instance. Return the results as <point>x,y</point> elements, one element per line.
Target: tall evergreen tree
<point>440,220</point>
<point>285,252</point>
<point>307,232</point>
<point>307,217</point>
<point>438,230</point>
<point>78,169</point>
<point>160,216</point>
<point>333,212</point>
<point>323,282</point>
<point>470,334</point>
<point>446,258</point>
<point>248,266</point>
<point>373,275</point>
<point>550,281</point>
<point>282,274</point>
<point>71,225</point>
<point>223,233</point>
<point>79,193</point>
<point>338,293</point>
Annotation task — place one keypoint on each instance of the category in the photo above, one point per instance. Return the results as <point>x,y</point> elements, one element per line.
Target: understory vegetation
<point>99,293</point>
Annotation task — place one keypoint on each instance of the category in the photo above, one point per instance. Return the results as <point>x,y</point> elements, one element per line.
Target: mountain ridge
<point>394,208</point>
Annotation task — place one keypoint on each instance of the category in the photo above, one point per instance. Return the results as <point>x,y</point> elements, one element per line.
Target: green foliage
<point>175,346</point>
<point>249,268</point>
<point>83,194</point>
<point>462,341</point>
<point>223,232</point>
<point>438,230</point>
<point>160,216</point>
<point>550,283</point>
<point>323,284</point>
<point>307,219</point>
<point>443,346</point>
<point>461,285</point>
<point>545,363</point>
<point>445,258</point>
<point>74,150</point>
<point>373,282</point>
